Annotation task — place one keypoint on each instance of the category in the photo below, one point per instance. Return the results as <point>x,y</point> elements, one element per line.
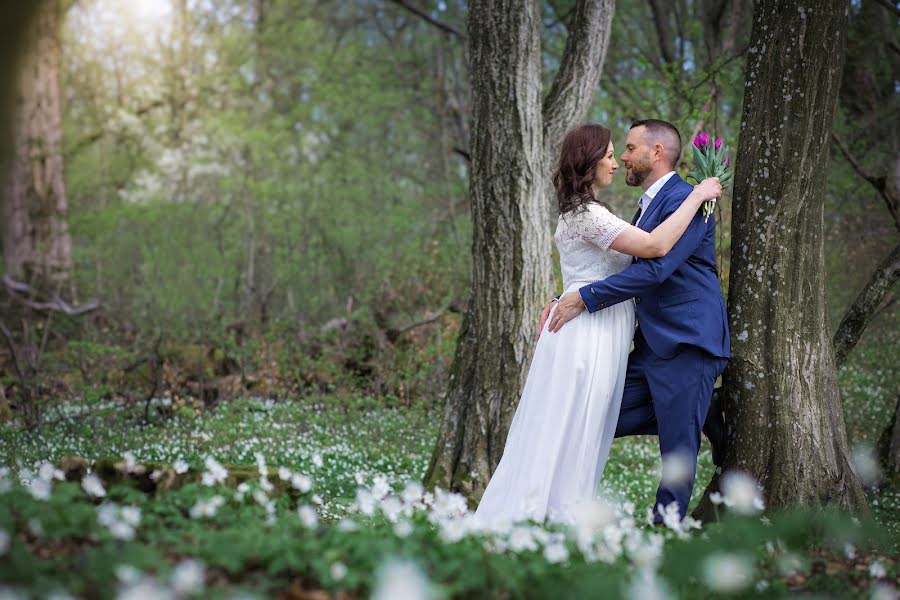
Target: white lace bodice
<point>583,240</point>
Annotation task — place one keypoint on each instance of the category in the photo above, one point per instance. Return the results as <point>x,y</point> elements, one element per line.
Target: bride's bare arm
<point>637,242</point>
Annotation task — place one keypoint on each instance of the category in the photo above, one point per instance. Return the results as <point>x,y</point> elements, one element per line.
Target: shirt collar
<point>653,190</point>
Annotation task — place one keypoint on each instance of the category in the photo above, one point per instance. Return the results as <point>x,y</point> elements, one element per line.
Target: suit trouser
<point>669,397</point>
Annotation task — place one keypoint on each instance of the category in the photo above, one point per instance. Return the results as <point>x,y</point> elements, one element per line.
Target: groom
<point>681,344</point>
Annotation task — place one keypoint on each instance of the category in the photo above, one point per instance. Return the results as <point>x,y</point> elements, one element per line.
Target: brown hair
<point>573,175</point>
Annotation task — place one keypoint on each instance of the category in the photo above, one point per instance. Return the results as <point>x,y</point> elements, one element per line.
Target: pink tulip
<point>718,143</point>
<point>727,161</point>
<point>701,141</point>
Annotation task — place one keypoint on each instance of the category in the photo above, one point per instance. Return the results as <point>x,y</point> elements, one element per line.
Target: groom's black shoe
<point>714,427</point>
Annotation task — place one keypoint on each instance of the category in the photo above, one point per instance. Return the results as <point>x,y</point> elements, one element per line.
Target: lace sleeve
<point>597,225</point>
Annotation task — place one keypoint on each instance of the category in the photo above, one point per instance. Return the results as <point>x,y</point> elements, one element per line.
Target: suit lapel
<point>658,201</point>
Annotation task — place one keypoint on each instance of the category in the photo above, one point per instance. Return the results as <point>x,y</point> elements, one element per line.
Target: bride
<point>560,436</point>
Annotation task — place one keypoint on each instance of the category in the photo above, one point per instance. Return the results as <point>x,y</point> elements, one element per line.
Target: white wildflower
<point>215,472</point>
<point>676,469</point>
<point>284,473</point>
<point>741,492</point>
<point>401,580</point>
<point>188,577</point>
<point>403,529</point>
<point>884,591</point>
<point>391,508</point>
<point>338,570</point>
<point>40,488</point>
<point>180,466</point>
<point>727,573</point>
<point>380,487</point>
<point>556,553</point>
<point>301,482</point>
<point>865,464</point>
<point>647,586</point>
<point>317,460</point>
<point>308,516</point>
<point>365,502</point>
<point>206,508</point>
<point>48,471</point>
<point>877,570</point>
<point>93,485</point>
<point>412,493</point>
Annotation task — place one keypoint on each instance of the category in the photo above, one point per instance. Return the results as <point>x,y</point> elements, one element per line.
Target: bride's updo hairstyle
<point>581,149</point>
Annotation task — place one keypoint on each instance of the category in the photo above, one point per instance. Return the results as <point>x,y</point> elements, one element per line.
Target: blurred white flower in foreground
<point>207,508</point>
<point>727,573</point>
<point>308,516</point>
<point>189,576</point>
<point>121,521</point>
<point>93,485</point>
<point>741,493</point>
<point>180,466</point>
<point>647,586</point>
<point>877,570</point>
<point>401,580</point>
<point>215,472</point>
<point>338,571</point>
<point>676,469</point>
<point>865,464</point>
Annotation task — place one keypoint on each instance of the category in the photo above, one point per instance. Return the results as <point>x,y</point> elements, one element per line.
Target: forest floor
<point>338,494</point>
<point>342,444</point>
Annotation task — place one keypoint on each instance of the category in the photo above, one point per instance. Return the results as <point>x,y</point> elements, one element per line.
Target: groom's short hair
<point>664,133</point>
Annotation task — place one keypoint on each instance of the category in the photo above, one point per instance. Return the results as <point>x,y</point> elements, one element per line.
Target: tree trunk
<point>786,426</point>
<point>511,272</point>
<point>36,238</point>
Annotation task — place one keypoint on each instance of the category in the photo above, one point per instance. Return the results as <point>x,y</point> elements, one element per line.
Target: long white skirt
<point>564,425</point>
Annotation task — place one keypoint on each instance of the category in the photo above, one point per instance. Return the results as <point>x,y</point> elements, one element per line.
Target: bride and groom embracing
<point>654,283</point>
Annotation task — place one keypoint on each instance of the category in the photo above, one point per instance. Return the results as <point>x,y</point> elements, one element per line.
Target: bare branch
<point>879,183</point>
<point>573,88</point>
<point>56,304</point>
<point>890,6</point>
<point>429,19</point>
<point>96,135</point>
<point>864,307</point>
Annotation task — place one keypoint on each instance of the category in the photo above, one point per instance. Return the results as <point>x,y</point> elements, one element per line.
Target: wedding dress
<point>564,425</point>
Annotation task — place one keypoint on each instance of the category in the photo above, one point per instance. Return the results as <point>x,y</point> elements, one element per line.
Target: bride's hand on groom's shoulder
<point>544,314</point>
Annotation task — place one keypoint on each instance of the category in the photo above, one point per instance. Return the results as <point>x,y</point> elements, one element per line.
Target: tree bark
<point>511,271</point>
<point>37,245</point>
<point>785,421</point>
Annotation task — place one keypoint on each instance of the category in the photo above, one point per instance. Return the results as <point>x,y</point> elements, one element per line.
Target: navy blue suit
<point>681,344</point>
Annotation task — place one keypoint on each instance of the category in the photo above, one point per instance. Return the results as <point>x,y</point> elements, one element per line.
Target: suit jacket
<point>678,297</point>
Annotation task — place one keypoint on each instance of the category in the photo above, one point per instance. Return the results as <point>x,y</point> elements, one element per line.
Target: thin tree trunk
<point>786,426</point>
<point>36,238</point>
<point>511,271</point>
<point>889,444</point>
<point>863,308</point>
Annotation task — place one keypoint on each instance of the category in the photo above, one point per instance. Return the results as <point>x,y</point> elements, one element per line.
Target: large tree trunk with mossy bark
<point>37,246</point>
<point>785,421</point>
<point>512,134</point>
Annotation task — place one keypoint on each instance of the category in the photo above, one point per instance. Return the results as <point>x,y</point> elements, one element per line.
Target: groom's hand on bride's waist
<point>544,314</point>
<point>570,306</point>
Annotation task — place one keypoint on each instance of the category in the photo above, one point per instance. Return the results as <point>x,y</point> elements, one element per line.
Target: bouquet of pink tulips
<point>710,160</point>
